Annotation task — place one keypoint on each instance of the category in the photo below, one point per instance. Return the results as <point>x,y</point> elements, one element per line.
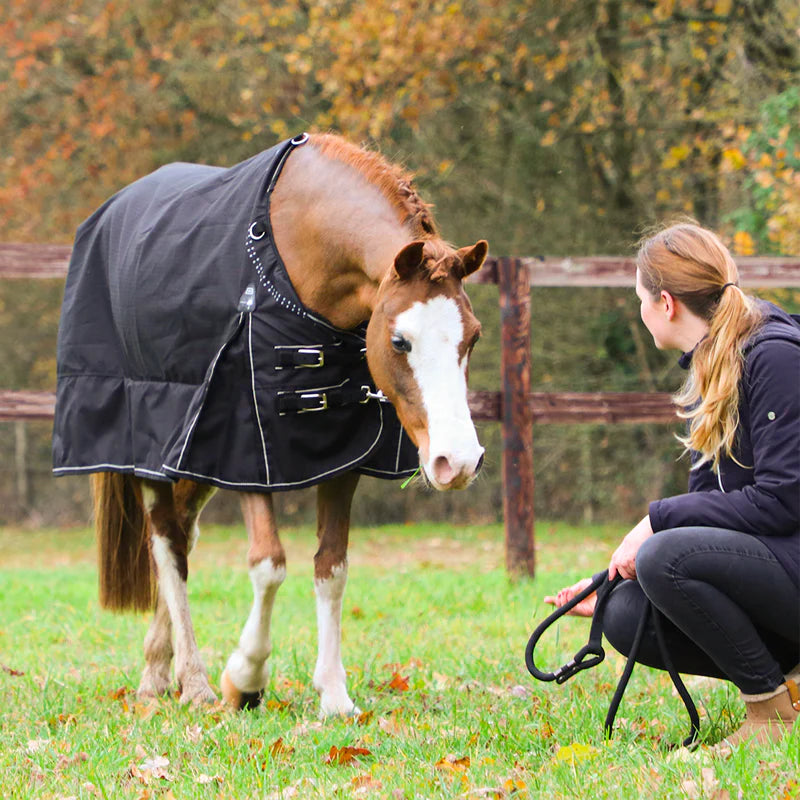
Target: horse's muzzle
<point>448,472</point>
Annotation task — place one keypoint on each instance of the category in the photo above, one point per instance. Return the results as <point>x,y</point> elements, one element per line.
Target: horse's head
<point>419,341</point>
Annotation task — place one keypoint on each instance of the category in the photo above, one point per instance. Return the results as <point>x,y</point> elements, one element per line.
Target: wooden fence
<point>514,405</point>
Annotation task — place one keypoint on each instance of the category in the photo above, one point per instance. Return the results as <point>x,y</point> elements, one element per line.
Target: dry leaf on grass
<point>397,683</point>
<point>154,768</point>
<point>345,755</point>
<point>392,725</point>
<point>364,784</point>
<point>576,752</point>
<point>205,779</point>
<point>279,748</point>
<point>452,763</point>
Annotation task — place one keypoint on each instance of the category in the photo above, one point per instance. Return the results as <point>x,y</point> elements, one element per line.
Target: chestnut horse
<point>358,245</point>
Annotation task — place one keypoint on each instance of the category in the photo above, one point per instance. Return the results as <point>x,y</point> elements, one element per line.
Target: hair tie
<point>726,285</point>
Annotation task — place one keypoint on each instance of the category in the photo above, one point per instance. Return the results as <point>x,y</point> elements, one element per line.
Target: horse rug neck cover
<point>184,351</point>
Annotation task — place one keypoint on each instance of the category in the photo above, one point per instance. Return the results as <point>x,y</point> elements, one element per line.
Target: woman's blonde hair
<point>694,266</point>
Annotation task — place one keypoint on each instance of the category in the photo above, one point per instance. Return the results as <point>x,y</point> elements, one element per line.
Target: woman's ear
<point>669,305</point>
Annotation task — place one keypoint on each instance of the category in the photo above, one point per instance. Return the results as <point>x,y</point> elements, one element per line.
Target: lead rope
<point>593,653</point>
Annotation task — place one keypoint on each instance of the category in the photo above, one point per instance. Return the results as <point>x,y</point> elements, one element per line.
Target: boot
<point>769,715</point>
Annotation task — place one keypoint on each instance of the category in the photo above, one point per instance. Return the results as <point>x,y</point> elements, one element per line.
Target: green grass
<point>431,603</point>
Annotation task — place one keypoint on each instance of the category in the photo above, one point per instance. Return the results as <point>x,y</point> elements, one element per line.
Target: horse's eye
<point>401,344</point>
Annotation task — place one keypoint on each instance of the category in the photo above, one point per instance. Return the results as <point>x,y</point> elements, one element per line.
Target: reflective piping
<point>122,468</point>
<point>253,389</point>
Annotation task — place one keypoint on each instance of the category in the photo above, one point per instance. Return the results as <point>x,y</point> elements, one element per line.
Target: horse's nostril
<point>442,470</point>
<point>479,464</point>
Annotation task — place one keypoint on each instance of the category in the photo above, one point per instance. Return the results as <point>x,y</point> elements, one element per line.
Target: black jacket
<point>760,494</point>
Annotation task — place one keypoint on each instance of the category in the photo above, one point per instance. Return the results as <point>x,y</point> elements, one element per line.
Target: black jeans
<point>731,609</point>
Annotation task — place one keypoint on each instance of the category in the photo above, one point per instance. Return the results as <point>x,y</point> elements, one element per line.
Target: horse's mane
<point>391,180</point>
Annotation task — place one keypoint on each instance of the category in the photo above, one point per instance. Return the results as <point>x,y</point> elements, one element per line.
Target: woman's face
<point>654,316</point>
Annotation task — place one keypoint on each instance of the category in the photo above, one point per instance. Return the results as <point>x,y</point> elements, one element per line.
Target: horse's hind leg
<point>330,576</point>
<point>171,539</point>
<point>247,670</point>
<point>190,499</point>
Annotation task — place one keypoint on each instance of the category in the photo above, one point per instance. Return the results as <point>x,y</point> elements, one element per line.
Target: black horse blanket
<point>184,351</point>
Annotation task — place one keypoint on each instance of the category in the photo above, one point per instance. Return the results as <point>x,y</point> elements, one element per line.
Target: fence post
<point>517,418</point>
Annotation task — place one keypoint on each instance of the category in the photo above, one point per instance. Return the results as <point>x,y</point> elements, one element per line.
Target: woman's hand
<point>586,606</point>
<point>624,559</point>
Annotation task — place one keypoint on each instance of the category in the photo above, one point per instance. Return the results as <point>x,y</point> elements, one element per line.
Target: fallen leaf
<point>576,752</point>
<point>155,767</point>
<point>452,763</point>
<point>15,672</point>
<point>392,725</point>
<point>278,748</point>
<point>398,683</point>
<point>362,719</point>
<point>365,783</point>
<point>514,785</point>
<point>204,779</point>
<point>194,733</point>
<point>145,711</point>
<point>68,761</point>
<point>690,789</point>
<point>344,755</point>
<point>302,728</point>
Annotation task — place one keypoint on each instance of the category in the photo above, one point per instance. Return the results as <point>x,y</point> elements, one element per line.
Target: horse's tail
<point>126,576</point>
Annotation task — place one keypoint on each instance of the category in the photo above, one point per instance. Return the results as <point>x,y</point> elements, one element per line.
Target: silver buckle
<point>311,351</point>
<point>323,402</point>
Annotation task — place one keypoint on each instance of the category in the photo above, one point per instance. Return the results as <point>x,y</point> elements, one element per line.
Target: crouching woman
<point>722,562</point>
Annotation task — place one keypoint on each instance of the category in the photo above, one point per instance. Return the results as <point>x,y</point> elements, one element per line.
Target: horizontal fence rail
<point>23,260</point>
<point>545,408</point>
<point>515,406</point>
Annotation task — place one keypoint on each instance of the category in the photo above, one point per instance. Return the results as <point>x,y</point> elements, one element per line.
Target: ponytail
<point>693,265</point>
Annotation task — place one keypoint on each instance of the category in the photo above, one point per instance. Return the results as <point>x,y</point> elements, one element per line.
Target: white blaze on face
<point>435,330</point>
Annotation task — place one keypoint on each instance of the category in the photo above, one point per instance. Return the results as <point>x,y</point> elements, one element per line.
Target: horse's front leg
<point>334,499</point>
<point>247,670</point>
<point>170,539</point>
<point>190,498</point>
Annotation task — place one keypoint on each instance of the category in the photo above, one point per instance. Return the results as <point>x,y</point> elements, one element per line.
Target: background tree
<point>547,126</point>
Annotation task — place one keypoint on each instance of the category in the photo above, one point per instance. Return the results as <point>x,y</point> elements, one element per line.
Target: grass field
<point>434,636</point>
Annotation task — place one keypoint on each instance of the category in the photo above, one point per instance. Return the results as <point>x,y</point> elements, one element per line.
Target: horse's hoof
<point>337,706</point>
<point>151,686</point>
<point>199,694</point>
<point>237,699</point>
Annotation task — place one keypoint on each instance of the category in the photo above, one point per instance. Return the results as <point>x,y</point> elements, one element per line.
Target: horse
<point>326,234</point>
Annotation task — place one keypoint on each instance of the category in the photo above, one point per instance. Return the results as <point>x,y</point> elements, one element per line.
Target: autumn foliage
<point>634,110</point>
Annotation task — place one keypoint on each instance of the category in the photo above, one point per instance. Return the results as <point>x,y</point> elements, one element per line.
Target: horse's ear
<point>472,258</point>
<point>409,260</point>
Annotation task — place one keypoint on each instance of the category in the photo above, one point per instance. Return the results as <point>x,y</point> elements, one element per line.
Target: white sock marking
<point>329,675</point>
<point>247,667</point>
